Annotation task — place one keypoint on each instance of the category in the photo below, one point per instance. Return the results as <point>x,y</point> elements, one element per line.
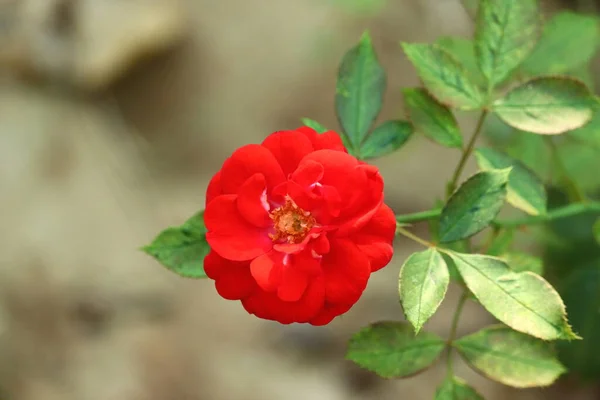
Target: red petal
<point>229,234</point>
<point>375,239</point>
<point>347,272</point>
<point>329,313</point>
<point>269,306</point>
<point>321,245</point>
<point>288,147</point>
<point>247,161</point>
<point>327,140</point>
<point>307,262</point>
<point>266,270</point>
<point>308,173</point>
<point>252,201</point>
<point>236,283</point>
<point>293,283</point>
<point>214,188</point>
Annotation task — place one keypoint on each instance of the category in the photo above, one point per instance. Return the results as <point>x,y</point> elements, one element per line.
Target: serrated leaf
<point>454,388</point>
<point>569,40</point>
<point>510,357</point>
<point>547,106</point>
<point>525,190</point>
<point>521,262</point>
<point>506,31</point>
<point>360,89</point>
<point>474,205</point>
<point>391,349</point>
<point>385,139</point>
<point>314,125</point>
<point>182,249</point>
<point>423,282</point>
<point>581,292</point>
<point>445,78</point>
<point>431,118</point>
<point>524,301</point>
<point>463,50</point>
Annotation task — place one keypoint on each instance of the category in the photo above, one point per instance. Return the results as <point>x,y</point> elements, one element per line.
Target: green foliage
<point>423,283</point>
<point>524,301</point>
<point>445,78</point>
<point>547,106</point>
<point>568,41</point>
<point>596,230</point>
<point>182,249</point>
<point>314,125</point>
<point>392,350</point>
<point>463,50</point>
<point>454,388</point>
<point>359,92</point>
<point>385,139</point>
<point>510,357</point>
<point>506,32</point>
<point>525,190</point>
<point>522,262</point>
<point>474,205</point>
<point>431,118</point>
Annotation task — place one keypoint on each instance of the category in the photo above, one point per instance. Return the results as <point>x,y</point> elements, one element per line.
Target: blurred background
<point>114,114</point>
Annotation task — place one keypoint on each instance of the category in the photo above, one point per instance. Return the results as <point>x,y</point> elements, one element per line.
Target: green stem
<point>453,328</point>
<point>465,155</point>
<point>414,237</point>
<point>558,213</point>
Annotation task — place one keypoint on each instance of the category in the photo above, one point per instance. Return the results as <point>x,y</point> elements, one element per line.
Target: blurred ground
<point>114,115</point>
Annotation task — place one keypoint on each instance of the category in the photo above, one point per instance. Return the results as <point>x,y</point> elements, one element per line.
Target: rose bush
<point>296,225</point>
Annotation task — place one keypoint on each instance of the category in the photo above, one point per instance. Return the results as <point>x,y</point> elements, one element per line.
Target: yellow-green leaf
<point>510,357</point>
<point>454,388</point>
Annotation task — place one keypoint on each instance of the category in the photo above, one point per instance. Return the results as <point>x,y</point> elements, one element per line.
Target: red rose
<point>296,225</point>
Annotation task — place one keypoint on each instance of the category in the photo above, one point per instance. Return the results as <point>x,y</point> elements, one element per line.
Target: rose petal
<point>293,283</point>
<point>346,271</point>
<point>288,147</point>
<point>308,173</point>
<point>247,161</point>
<point>214,188</point>
<point>327,140</point>
<point>328,313</point>
<point>252,203</point>
<point>236,283</point>
<point>376,237</point>
<point>229,234</point>
<point>267,269</point>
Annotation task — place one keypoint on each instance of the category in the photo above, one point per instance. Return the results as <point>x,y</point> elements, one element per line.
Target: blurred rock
<point>86,43</point>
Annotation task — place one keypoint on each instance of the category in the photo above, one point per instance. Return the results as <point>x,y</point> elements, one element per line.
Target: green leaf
<point>431,118</point>
<point>182,249</point>
<point>360,89</point>
<point>597,230</point>
<point>463,50</point>
<point>445,78</point>
<point>314,125</point>
<point>524,301</point>
<point>385,139</point>
<point>525,190</point>
<point>423,283</point>
<point>510,357</point>
<point>391,349</point>
<point>521,262</point>
<point>454,388</point>
<point>569,40</point>
<point>506,32</point>
<point>581,292</point>
<point>501,243</point>
<point>474,205</point>
<point>547,106</point>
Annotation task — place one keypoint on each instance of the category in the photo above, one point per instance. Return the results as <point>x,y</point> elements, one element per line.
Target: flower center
<point>291,223</point>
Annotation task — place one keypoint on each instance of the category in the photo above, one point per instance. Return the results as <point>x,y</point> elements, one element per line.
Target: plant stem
<point>453,328</point>
<point>414,237</point>
<point>465,155</point>
<point>558,213</point>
